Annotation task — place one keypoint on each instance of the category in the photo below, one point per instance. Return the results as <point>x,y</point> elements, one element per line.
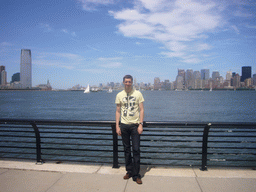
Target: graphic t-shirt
<point>129,106</point>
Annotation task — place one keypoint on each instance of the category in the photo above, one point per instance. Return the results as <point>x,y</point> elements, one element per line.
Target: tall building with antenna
<point>26,69</point>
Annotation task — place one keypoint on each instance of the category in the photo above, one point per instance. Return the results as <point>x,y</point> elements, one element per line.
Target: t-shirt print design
<point>129,103</point>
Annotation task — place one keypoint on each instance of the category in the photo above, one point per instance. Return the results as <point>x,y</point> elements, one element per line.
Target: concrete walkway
<point>51,177</point>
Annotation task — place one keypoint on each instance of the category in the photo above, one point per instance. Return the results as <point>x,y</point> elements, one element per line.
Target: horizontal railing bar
<point>180,159</point>
<point>8,141</point>
<point>70,155</point>
<point>231,141</point>
<point>77,144</point>
<point>231,148</point>
<point>210,136</point>
<point>82,138</point>
<point>181,141</point>
<point>88,133</point>
<point>67,144</point>
<point>61,155</point>
<point>233,160</point>
<point>199,153</point>
<point>96,150</point>
<point>18,136</point>
<point>19,131</point>
<point>159,152</point>
<point>174,140</point>
<point>60,128</point>
<point>57,122</point>
<point>147,124</point>
<point>7,152</point>
<point>96,133</point>
<point>169,146</point>
<point>145,129</point>
<point>19,147</point>
<point>171,152</point>
<point>152,134</point>
<point>77,133</point>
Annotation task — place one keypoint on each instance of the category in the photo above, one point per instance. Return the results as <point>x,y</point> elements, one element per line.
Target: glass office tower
<point>25,69</point>
<point>205,74</point>
<point>246,73</point>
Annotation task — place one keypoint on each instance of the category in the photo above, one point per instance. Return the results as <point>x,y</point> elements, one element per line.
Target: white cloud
<point>90,5</point>
<point>203,46</point>
<point>5,44</point>
<point>153,5</point>
<point>61,60</point>
<point>181,26</point>
<point>175,24</point>
<point>136,29</point>
<point>236,29</point>
<point>69,33</point>
<point>111,65</point>
<point>109,58</point>
<point>110,62</point>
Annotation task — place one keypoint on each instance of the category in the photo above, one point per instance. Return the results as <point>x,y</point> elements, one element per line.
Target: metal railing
<point>162,143</point>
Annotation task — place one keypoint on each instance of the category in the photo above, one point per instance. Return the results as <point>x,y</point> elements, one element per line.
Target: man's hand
<point>140,129</point>
<point>118,130</point>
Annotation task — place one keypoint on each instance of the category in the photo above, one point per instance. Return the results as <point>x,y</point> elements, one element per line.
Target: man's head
<point>128,77</point>
<point>127,81</point>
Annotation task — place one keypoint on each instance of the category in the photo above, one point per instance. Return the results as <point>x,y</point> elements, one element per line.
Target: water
<point>203,106</point>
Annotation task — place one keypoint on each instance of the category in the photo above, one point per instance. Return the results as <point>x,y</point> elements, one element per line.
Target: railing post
<point>38,144</point>
<point>115,147</point>
<point>204,147</point>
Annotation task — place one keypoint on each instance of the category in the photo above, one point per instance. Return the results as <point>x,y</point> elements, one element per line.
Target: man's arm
<point>140,128</point>
<point>118,115</point>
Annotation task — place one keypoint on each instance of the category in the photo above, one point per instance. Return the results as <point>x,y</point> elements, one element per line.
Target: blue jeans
<point>132,164</point>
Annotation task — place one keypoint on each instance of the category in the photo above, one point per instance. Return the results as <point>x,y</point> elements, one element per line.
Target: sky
<point>95,41</point>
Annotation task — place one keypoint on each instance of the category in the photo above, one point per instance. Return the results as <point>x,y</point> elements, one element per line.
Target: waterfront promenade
<point>51,177</point>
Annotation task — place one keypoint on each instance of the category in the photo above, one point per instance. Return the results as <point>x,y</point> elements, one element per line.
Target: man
<point>129,106</point>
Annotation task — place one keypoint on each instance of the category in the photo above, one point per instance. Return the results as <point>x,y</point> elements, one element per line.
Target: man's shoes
<point>127,176</point>
<point>138,181</point>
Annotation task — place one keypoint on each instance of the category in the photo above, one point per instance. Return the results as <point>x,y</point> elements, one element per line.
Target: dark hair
<point>127,77</point>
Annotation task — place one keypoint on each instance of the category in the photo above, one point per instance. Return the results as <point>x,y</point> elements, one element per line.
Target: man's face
<point>127,83</point>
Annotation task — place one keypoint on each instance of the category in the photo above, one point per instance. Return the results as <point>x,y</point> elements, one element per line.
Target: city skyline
<point>90,42</point>
<point>185,79</point>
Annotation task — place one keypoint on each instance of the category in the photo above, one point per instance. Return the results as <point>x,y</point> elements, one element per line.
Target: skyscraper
<point>215,75</point>
<point>3,77</point>
<point>236,81</point>
<point>15,77</point>
<point>228,75</point>
<point>25,68</point>
<point>197,75</point>
<point>254,79</point>
<point>2,68</point>
<point>189,80</point>
<point>205,74</point>
<point>246,73</point>
<point>157,83</point>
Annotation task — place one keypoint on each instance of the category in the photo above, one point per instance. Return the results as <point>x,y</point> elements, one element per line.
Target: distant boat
<point>87,90</point>
<point>110,90</point>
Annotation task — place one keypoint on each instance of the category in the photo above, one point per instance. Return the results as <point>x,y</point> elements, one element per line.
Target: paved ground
<point>51,177</point>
